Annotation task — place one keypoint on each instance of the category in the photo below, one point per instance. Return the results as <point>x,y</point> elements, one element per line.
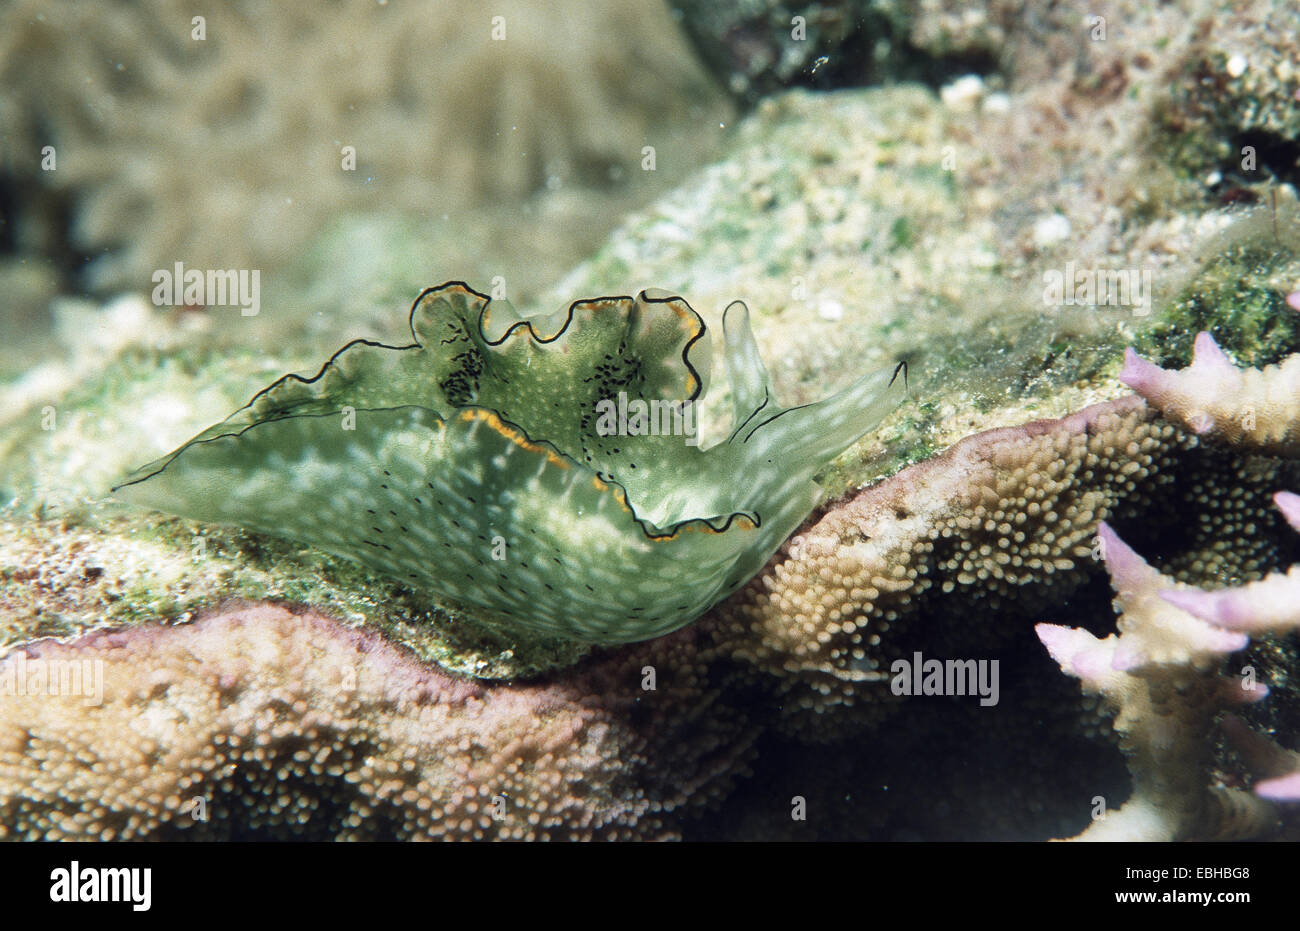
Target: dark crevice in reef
<point>1276,154</point>
<point>753,52</point>
<point>1184,524</point>
<point>36,220</point>
<point>940,769</point>
<point>854,63</point>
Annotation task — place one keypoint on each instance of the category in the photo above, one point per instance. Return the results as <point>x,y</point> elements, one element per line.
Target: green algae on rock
<point>484,462</point>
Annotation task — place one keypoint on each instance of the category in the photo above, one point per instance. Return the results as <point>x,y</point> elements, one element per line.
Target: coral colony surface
<point>962,501</point>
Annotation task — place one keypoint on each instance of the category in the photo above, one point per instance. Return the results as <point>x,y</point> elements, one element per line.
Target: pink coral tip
<point>1207,354</point>
<point>1055,638</point>
<point>1138,373</point>
<point>1283,789</point>
<point>1289,505</point>
<point>1089,664</point>
<point>1208,606</point>
<point>1075,650</point>
<point>1222,608</point>
<point>1226,641</point>
<point>1122,562</point>
<point>1293,299</point>
<point>1239,690</point>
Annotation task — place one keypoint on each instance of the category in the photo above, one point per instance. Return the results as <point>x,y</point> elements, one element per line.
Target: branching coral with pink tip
<point>1269,606</point>
<point>1256,409</point>
<point>1160,675</point>
<point>1165,672</point>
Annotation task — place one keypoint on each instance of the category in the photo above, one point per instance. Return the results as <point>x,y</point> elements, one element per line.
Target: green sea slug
<point>543,474</point>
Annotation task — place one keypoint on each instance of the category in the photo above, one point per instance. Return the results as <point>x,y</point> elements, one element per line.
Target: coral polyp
<point>543,473</point>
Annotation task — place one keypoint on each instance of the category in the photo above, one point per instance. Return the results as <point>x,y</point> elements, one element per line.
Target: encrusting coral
<point>260,722</point>
<point>1003,521</point>
<point>1008,518</point>
<point>998,512</point>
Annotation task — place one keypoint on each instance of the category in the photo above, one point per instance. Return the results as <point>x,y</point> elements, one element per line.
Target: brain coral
<point>510,466</point>
<point>227,151</point>
<point>258,722</point>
